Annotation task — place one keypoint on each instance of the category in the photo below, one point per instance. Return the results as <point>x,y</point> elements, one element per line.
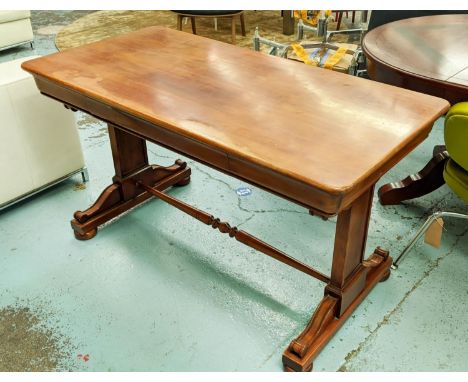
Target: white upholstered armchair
<point>15,29</point>
<point>39,142</point>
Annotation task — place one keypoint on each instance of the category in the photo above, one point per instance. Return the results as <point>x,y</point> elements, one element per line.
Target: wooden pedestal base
<point>120,197</point>
<point>131,166</point>
<point>413,186</point>
<point>326,321</point>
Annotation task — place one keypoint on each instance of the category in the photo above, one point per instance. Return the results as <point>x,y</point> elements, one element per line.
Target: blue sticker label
<point>243,191</point>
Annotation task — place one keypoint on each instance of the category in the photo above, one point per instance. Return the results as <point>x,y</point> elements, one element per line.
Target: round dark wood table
<point>429,55</point>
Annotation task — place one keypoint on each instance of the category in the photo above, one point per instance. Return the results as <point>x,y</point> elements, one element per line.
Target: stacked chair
<point>346,58</point>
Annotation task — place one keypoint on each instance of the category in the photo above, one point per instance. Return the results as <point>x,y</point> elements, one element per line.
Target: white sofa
<point>39,142</point>
<point>15,29</point>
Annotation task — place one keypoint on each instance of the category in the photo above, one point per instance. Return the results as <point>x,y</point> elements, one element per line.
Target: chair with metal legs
<point>321,51</point>
<point>455,170</point>
<point>213,14</point>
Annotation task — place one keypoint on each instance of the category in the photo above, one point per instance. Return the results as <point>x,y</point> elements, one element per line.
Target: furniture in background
<point>455,170</point>
<point>381,17</point>
<point>15,29</point>
<point>342,57</point>
<point>339,17</point>
<point>329,171</point>
<point>422,54</point>
<point>288,22</point>
<point>39,143</point>
<point>213,14</point>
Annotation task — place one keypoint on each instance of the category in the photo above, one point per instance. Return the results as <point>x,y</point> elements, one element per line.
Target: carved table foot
<point>413,186</point>
<point>386,276</point>
<point>183,182</point>
<point>85,236</point>
<point>124,195</point>
<point>326,320</point>
<point>288,369</point>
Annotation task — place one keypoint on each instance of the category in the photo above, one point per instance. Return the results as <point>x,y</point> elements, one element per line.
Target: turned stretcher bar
<point>241,236</point>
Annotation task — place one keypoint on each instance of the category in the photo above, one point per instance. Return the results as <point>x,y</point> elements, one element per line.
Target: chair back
<point>456,142</point>
<point>456,133</point>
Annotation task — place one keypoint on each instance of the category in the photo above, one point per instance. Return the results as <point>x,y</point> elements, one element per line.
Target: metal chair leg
<point>85,175</point>
<point>423,229</point>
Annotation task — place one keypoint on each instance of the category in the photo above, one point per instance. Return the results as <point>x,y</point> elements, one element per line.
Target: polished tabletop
<point>331,131</point>
<point>422,53</point>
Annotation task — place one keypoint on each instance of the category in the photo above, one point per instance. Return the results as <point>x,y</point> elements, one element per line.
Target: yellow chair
<point>455,170</point>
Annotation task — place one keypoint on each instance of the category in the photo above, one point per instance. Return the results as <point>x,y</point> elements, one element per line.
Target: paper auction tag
<point>433,234</point>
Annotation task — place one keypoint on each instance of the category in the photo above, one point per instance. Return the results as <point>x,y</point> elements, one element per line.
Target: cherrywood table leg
<point>413,186</point>
<point>352,278</point>
<point>131,164</point>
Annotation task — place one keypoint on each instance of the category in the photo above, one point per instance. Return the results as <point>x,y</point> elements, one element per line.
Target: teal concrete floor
<point>157,291</point>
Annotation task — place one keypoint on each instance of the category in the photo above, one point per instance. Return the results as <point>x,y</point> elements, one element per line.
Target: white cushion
<point>14,165</point>
<point>39,141</point>
<point>7,16</point>
<point>15,32</point>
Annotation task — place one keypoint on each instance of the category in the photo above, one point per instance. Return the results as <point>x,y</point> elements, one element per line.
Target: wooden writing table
<point>316,137</point>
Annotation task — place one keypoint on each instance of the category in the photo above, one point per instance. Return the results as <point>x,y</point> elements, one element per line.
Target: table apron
<point>322,203</point>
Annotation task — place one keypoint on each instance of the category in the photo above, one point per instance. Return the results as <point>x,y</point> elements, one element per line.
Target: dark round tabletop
<point>426,54</point>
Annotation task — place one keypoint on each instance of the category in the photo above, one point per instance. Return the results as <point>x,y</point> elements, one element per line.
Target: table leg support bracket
<point>416,185</point>
<point>327,319</point>
<point>123,195</point>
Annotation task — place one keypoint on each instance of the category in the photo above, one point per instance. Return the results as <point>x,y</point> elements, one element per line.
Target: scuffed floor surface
<point>158,291</point>
<point>28,343</point>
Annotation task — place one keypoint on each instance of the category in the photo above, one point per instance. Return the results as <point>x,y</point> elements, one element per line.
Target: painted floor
<point>157,291</point>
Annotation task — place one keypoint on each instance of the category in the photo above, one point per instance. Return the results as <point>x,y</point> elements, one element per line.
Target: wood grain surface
<point>332,132</point>
<point>426,54</point>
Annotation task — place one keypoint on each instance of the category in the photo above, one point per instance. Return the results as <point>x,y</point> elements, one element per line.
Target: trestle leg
<point>352,278</point>
<point>131,165</point>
